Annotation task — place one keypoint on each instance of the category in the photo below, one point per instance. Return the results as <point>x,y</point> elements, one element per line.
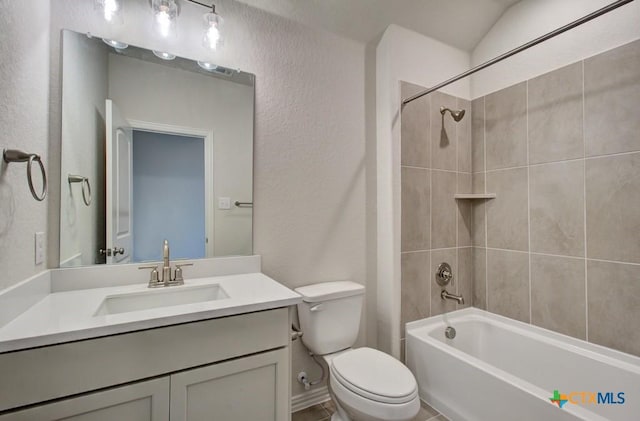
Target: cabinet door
<point>145,401</point>
<point>252,388</point>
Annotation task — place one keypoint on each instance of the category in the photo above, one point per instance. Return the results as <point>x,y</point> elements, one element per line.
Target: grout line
<point>582,158</point>
<point>457,206</point>
<point>438,249</point>
<point>611,155</point>
<point>429,135</point>
<point>561,161</point>
<point>620,262</point>
<point>413,167</point>
<point>528,198</point>
<point>584,206</point>
<point>485,206</point>
<point>508,168</point>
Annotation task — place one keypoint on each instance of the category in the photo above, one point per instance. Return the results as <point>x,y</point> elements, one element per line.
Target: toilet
<point>365,384</point>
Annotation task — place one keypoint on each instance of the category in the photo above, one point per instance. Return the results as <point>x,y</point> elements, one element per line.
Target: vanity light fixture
<point>212,24</point>
<point>115,44</point>
<point>109,9</point>
<point>163,55</point>
<point>165,13</point>
<point>210,67</point>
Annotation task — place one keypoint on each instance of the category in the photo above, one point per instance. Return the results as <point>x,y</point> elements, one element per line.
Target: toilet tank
<point>330,315</point>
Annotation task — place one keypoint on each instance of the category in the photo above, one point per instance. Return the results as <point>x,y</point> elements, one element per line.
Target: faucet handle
<point>154,276</point>
<point>179,279</point>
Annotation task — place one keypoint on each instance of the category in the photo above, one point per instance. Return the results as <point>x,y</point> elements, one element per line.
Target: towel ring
<point>14,155</point>
<point>86,187</point>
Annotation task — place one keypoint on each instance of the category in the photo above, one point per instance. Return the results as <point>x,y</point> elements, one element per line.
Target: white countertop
<point>70,315</point>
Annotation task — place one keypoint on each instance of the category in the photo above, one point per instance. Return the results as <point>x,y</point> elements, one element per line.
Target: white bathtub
<point>500,369</point>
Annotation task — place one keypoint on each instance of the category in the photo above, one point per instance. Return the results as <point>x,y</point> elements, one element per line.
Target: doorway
<point>168,192</point>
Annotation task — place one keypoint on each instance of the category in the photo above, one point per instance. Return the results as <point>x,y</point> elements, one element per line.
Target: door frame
<point>209,195</point>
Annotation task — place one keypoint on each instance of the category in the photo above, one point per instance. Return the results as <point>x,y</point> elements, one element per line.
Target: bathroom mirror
<point>154,147</point>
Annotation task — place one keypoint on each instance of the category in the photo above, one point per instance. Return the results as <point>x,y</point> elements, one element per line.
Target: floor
<point>323,411</point>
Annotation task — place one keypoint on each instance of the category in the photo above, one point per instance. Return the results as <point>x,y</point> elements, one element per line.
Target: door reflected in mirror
<point>167,148</point>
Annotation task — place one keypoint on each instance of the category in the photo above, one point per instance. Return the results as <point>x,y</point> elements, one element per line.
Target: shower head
<point>456,114</point>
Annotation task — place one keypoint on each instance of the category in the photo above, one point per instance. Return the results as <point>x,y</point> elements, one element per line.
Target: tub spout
<point>446,296</point>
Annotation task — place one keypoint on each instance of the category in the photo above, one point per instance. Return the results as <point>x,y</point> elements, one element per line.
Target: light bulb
<point>109,9</point>
<point>164,23</point>
<point>164,16</point>
<point>212,36</point>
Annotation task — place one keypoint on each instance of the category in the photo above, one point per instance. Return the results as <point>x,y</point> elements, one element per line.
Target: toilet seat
<point>374,375</point>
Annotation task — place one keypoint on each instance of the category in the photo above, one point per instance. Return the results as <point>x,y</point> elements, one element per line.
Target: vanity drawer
<point>41,374</point>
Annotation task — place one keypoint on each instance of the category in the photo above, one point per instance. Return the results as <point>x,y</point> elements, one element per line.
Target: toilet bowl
<point>369,385</point>
<point>365,384</point>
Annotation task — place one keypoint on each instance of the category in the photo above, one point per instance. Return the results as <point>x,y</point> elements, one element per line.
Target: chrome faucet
<point>447,296</point>
<point>167,279</point>
<point>166,263</point>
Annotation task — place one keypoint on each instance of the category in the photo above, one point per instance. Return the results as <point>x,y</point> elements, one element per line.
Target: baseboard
<point>309,398</point>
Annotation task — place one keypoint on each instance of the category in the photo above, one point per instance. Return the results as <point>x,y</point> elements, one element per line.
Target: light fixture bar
<point>208,6</point>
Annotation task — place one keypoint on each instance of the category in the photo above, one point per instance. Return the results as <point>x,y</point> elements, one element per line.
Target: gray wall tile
<point>415,223</point>
<point>507,215</point>
<point>438,305</point>
<point>479,278</point>
<point>613,204</point>
<point>465,211</point>
<point>415,128</point>
<point>477,135</point>
<point>464,137</point>
<point>443,209</point>
<point>508,283</point>
<point>465,276</point>
<point>612,101</point>
<point>614,313</point>
<point>415,287</point>
<point>478,237</point>
<point>557,208</point>
<point>558,294</point>
<point>443,141</point>
<point>555,115</point>
<point>506,127</point>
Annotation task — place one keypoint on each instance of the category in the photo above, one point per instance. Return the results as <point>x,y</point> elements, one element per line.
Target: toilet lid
<point>374,375</point>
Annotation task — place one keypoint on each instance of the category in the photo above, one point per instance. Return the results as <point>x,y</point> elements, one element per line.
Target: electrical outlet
<point>39,249</point>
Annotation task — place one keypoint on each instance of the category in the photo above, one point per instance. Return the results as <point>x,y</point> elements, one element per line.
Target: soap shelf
<point>474,196</point>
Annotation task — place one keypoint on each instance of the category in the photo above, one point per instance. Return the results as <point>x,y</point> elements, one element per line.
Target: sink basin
<point>156,298</point>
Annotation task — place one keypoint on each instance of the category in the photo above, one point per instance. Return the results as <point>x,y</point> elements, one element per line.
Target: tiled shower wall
<point>560,245</point>
<point>435,164</point>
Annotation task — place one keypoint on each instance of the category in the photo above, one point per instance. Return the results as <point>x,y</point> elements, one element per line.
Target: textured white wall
<point>528,19</point>
<point>309,182</point>
<point>402,55</point>
<point>24,78</point>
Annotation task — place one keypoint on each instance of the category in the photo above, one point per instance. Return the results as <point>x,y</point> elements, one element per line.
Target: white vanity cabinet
<point>144,401</point>
<point>230,369</point>
<point>250,388</point>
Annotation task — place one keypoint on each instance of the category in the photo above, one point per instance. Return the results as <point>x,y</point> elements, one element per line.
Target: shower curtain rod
<point>521,48</point>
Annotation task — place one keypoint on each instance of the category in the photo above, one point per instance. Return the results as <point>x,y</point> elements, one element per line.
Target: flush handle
<point>317,307</point>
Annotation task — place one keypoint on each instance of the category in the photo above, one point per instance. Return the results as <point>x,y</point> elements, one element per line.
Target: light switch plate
<point>39,248</point>
<point>224,203</point>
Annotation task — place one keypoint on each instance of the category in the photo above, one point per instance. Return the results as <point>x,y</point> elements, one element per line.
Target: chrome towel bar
<point>86,192</point>
<point>14,155</point>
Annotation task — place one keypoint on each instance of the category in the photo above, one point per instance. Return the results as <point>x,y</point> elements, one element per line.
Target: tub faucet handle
<point>444,274</point>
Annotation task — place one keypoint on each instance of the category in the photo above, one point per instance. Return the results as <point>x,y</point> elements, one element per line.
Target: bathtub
<point>500,369</point>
